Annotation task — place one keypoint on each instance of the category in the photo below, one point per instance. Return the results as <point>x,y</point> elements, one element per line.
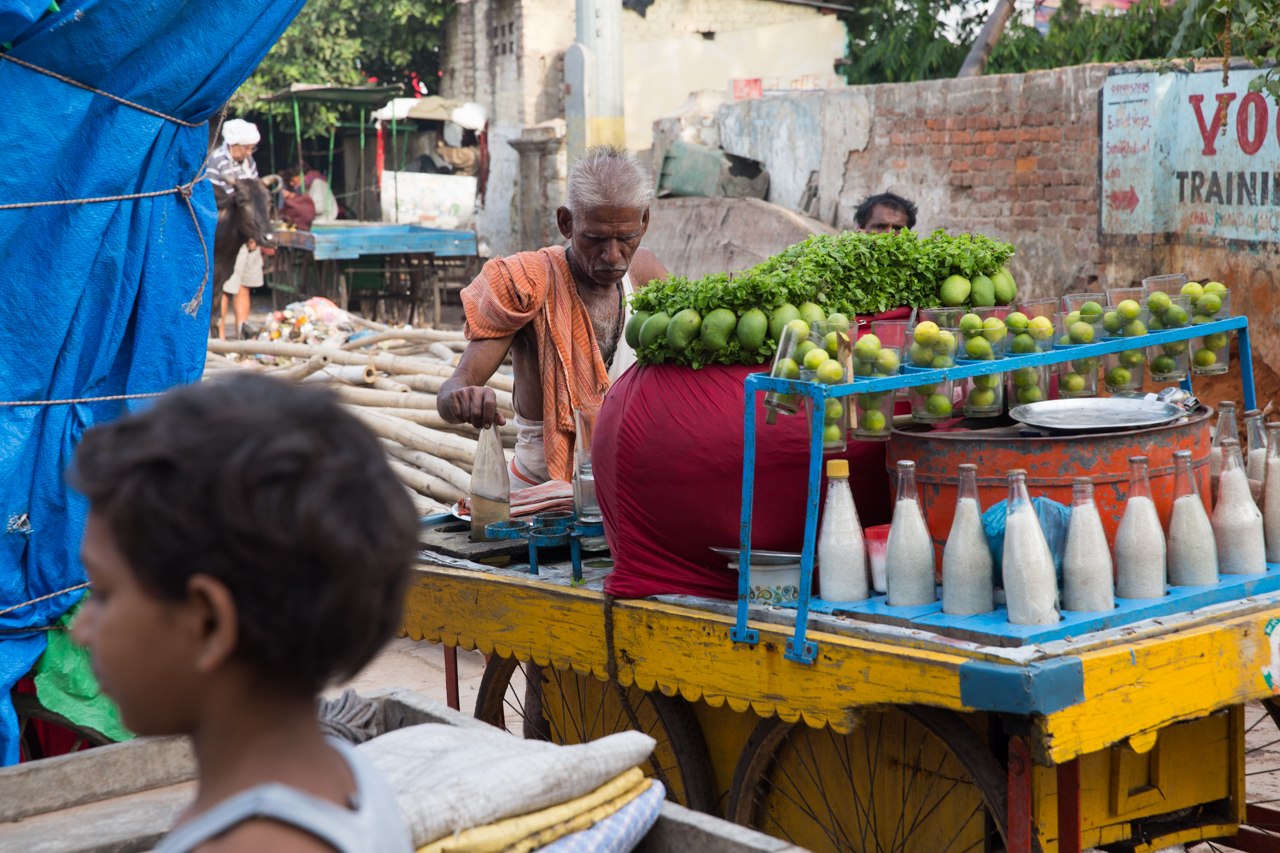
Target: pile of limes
<point>1027,335</point>
<point>1165,313</point>
<point>816,355</point>
<point>1125,320</point>
<point>1030,384</point>
<point>985,393</point>
<point>932,346</point>
<point>983,338</point>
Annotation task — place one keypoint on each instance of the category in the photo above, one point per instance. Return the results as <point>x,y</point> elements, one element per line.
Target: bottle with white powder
<point>1087,582</point>
<point>1030,582</point>
<point>1256,434</point>
<point>908,559</point>
<point>1226,428</point>
<point>1193,552</point>
<point>1271,501</point>
<point>966,560</point>
<point>842,556</point>
<point>1237,521</point>
<point>1139,551</point>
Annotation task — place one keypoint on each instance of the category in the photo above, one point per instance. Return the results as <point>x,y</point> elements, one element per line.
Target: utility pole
<point>593,78</point>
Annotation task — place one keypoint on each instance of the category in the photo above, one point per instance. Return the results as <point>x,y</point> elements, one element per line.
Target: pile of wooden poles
<point>393,394</point>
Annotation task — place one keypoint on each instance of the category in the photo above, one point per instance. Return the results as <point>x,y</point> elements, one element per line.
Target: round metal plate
<point>1096,413</point>
<point>760,558</point>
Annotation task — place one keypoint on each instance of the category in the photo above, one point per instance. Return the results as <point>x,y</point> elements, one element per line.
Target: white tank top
<point>624,356</point>
<point>372,825</point>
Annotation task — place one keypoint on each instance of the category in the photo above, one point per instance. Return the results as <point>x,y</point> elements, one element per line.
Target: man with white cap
<point>234,157</point>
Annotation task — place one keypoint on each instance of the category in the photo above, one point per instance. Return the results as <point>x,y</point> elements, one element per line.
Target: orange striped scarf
<point>537,287</point>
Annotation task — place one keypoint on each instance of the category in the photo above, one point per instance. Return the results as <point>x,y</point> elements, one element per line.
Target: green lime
<point>1128,309</point>
<point>1111,322</point>
<point>1132,359</point>
<point>812,314</point>
<point>988,381</point>
<point>921,355</point>
<point>982,398</point>
<point>815,357</point>
<point>1215,287</point>
<point>837,318</point>
<point>1163,365</point>
<point>1064,341</point>
<point>1158,302</point>
<point>835,410</point>
<point>1016,321</point>
<point>993,329</point>
<point>832,344</point>
<point>978,348</point>
<point>1200,319</point>
<point>1205,358</point>
<point>860,369</point>
<point>1192,289</point>
<point>1030,394</point>
<point>926,390</point>
<point>1080,332</point>
<point>1085,365</point>
<point>786,368</point>
<point>925,333</point>
<point>1071,383</point>
<point>833,434</point>
<point>1071,318</point>
<point>1091,310</point>
<point>1025,376</point>
<point>830,372</point>
<point>1216,341</point>
<point>942,362</point>
<point>945,343</point>
<point>1175,348</point>
<point>872,400</point>
<point>803,349</point>
<point>887,361</point>
<point>801,328</point>
<point>1134,329</point>
<point>867,348</point>
<point>1023,344</point>
<point>938,405</point>
<point>872,420</point>
<point>1155,323</point>
<point>970,324</point>
<point>1175,316</point>
<point>1040,328</point>
<point>1118,377</point>
<point>1209,304</point>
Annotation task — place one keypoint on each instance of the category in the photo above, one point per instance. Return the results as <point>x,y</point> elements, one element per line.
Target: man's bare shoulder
<point>260,834</point>
<point>646,267</point>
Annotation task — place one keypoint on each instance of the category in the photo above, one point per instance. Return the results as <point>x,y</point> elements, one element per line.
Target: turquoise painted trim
<point>1039,688</point>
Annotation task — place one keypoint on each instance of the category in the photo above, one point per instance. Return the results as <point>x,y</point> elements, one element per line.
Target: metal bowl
<point>1092,414</point>
<point>760,558</point>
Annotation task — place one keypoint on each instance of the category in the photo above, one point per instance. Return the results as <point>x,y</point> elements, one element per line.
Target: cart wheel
<point>907,779</point>
<point>544,703</point>
<point>1261,829</point>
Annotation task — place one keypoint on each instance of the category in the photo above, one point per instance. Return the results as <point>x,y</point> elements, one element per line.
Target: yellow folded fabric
<point>497,837</point>
<point>579,823</point>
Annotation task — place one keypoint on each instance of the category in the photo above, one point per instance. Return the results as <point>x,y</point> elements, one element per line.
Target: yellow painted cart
<point>1133,738</point>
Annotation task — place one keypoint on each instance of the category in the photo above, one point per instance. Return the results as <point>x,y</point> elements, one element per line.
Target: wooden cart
<point>1132,738</point>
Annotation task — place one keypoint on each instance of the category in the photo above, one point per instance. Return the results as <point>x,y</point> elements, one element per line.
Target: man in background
<point>880,214</point>
<point>234,157</point>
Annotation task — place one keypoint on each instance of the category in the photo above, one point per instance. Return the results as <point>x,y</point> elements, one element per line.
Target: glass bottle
<point>1256,433</point>
<point>490,484</point>
<point>1237,521</point>
<point>908,560</point>
<point>1193,553</point>
<point>1087,582</point>
<point>967,585</point>
<point>842,555</point>
<point>1030,581</point>
<point>1140,548</point>
<point>1271,495</point>
<point>1225,429</point>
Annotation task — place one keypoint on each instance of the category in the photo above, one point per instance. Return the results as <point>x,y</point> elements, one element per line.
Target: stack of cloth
<point>551,496</point>
<point>470,791</point>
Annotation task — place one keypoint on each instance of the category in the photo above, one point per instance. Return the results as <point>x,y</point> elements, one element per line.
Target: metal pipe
<point>976,61</point>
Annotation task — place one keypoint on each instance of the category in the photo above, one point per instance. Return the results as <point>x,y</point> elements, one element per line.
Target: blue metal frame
<point>798,647</point>
<point>548,530</point>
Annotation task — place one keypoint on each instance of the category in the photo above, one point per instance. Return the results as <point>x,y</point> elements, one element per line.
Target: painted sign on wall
<point>1182,154</point>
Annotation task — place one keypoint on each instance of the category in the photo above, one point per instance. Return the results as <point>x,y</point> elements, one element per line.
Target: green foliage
<point>897,42</point>
<point>853,273</point>
<point>1254,33</point>
<point>347,43</point>
<point>1146,30</point>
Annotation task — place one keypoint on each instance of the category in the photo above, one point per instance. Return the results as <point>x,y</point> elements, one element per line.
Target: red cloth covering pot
<point>667,458</point>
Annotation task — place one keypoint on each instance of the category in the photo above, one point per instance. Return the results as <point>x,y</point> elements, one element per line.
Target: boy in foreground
<point>248,545</point>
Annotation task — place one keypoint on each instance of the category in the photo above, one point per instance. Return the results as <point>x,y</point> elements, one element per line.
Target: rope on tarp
<point>183,191</point>
<point>44,598</point>
<point>81,400</point>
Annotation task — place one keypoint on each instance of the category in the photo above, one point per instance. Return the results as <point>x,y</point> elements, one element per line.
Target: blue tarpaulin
<point>103,298</point>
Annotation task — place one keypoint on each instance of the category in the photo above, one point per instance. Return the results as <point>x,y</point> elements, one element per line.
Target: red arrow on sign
<point>1126,201</point>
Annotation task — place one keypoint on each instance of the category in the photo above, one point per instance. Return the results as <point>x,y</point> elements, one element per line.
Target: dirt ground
<point>418,666</point>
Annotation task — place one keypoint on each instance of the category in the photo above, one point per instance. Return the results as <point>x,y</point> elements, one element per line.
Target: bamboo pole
<point>434,466</point>
<point>349,374</point>
<point>419,335</point>
<point>386,399</point>
<point>441,351</point>
<point>424,483</point>
<point>382,383</point>
<point>442,445</point>
<point>299,372</point>
<point>429,384</point>
<point>424,506</point>
<point>433,420</point>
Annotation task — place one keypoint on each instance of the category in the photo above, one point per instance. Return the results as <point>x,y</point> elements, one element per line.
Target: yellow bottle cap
<point>838,468</point>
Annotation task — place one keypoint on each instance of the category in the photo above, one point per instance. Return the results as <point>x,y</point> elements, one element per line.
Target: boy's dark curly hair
<point>273,489</point>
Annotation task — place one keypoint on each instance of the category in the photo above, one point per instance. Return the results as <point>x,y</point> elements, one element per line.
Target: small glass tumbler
<point>1028,384</point>
<point>1124,371</point>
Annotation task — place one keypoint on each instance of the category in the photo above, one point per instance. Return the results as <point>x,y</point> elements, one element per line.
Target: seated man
<point>560,312</point>
<point>297,209</point>
<point>880,214</point>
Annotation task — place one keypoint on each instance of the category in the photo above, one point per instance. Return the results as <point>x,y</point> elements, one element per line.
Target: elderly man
<point>234,157</point>
<point>560,312</point>
<point>880,214</point>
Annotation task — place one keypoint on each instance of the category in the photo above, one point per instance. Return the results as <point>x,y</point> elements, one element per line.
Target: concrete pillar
<point>599,44</point>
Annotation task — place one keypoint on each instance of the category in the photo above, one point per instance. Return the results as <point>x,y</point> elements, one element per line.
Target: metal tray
<point>1087,414</point>
<point>760,558</point>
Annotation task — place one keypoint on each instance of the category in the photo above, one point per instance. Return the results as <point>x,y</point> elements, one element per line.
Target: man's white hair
<point>608,177</point>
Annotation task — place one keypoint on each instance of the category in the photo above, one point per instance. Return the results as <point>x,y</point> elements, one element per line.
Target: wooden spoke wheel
<point>908,779</point>
<point>544,703</point>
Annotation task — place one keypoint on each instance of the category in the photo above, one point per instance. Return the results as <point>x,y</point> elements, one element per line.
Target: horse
<point>244,214</point>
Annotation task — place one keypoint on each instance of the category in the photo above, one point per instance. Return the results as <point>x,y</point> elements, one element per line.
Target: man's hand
<point>470,404</point>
